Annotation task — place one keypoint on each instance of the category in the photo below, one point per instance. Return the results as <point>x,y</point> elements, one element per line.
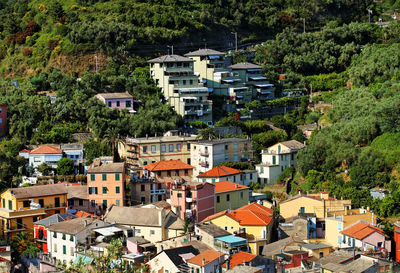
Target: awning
<point>264,85</point>
<point>188,98</point>
<point>108,231</point>
<point>232,240</point>
<point>239,88</point>
<point>266,92</point>
<point>194,89</point>
<point>231,80</point>
<point>254,69</point>
<point>257,78</point>
<point>210,89</point>
<point>213,57</point>
<point>147,245</point>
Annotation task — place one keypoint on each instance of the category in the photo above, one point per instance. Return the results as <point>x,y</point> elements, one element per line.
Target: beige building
<point>206,154</point>
<point>139,152</point>
<point>175,76</point>
<point>153,224</point>
<point>318,203</point>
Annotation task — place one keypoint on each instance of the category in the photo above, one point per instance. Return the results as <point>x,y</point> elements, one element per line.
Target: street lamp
<point>235,33</point>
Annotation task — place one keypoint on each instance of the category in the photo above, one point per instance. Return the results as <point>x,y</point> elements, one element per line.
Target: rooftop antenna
<point>172,49</point>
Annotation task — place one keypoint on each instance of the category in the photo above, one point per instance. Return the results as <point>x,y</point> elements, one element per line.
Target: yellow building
<point>139,152</point>
<point>181,88</point>
<point>318,203</point>
<point>317,250</point>
<point>339,220</point>
<point>254,220</point>
<point>229,195</point>
<point>21,207</point>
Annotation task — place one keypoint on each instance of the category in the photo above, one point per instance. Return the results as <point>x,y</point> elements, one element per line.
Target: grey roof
<point>199,245</point>
<point>212,229</point>
<point>73,226</point>
<point>170,59</point>
<point>123,95</point>
<point>220,141</point>
<point>77,192</point>
<point>293,144</point>
<point>71,146</point>
<point>37,191</point>
<point>138,240</point>
<point>204,52</point>
<point>55,218</point>
<point>307,127</point>
<point>276,247</point>
<point>313,246</point>
<point>359,266</point>
<point>336,257</point>
<point>108,168</point>
<point>245,65</point>
<point>173,221</point>
<point>244,269</point>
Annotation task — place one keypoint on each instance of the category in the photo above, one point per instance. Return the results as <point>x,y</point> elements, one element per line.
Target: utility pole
<point>96,63</point>
<point>172,49</point>
<point>304,25</point>
<point>235,33</point>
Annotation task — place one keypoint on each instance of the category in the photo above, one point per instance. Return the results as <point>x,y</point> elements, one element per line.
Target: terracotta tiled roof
<point>25,151</point>
<point>108,168</point>
<point>239,258</point>
<point>167,165</point>
<point>249,215</point>
<point>83,214</point>
<point>38,191</point>
<point>46,149</point>
<point>220,171</point>
<point>225,186</point>
<point>208,256</point>
<point>360,230</point>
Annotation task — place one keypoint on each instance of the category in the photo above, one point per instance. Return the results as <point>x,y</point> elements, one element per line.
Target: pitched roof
<point>166,165</point>
<point>55,218</point>
<point>225,186</point>
<point>314,246</point>
<point>245,65</point>
<point>73,226</point>
<point>25,151</point>
<point>212,229</point>
<point>108,168</point>
<point>220,171</point>
<point>46,149</point>
<point>276,247</point>
<point>37,191</point>
<point>239,258</point>
<point>293,144</point>
<point>84,214</point>
<point>174,254</point>
<point>170,59</point>
<point>204,52</point>
<point>121,95</point>
<point>360,230</point>
<point>78,192</point>
<point>208,256</point>
<point>249,215</point>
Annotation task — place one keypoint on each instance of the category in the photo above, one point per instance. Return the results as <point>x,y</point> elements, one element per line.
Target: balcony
<point>189,199</point>
<point>204,153</point>
<point>160,191</point>
<point>10,214</point>
<point>204,164</point>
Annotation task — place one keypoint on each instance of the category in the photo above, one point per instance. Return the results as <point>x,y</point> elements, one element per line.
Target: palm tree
<point>23,244</point>
<point>112,137</point>
<point>207,133</point>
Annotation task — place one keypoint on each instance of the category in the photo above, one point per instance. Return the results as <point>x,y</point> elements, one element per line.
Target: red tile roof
<point>225,186</point>
<point>25,151</point>
<point>46,149</point>
<point>249,215</point>
<point>167,165</point>
<point>360,230</point>
<point>220,171</point>
<point>208,256</point>
<point>239,258</point>
<point>83,214</point>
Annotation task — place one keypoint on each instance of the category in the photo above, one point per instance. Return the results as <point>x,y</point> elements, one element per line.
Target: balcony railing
<point>160,191</point>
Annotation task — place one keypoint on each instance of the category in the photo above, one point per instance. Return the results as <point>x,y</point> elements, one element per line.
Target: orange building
<point>106,186</point>
<point>3,120</point>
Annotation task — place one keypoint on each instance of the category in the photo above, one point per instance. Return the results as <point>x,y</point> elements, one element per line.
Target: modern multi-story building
<point>21,207</point>
<point>193,200</point>
<point>139,152</point>
<point>206,154</point>
<point>117,100</point>
<point>106,185</point>
<point>175,76</point>
<point>3,120</point>
<point>145,190</point>
<point>276,159</point>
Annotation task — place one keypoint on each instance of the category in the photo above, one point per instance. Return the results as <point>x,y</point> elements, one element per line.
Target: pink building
<point>193,200</point>
<point>117,100</point>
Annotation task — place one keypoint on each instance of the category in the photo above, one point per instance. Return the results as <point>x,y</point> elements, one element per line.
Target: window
<point>92,190</point>
<point>186,172</point>
<point>72,251</point>
<point>218,199</point>
<point>128,103</point>
<point>117,190</point>
<point>228,197</point>
<point>179,195</point>
<point>117,177</point>
<point>235,146</point>
<point>118,103</point>
<point>80,202</point>
<point>36,159</point>
<point>143,199</point>
<point>168,173</point>
<point>142,187</point>
<point>19,223</point>
<point>178,147</point>
<point>41,203</point>
<point>117,202</point>
<point>9,204</point>
<point>171,147</point>
<point>4,200</point>
<point>177,173</point>
<point>64,237</point>
<point>54,234</point>
<point>235,158</point>
<point>92,177</point>
<point>340,226</point>
<point>163,148</point>
<point>241,195</point>
<point>226,147</point>
<point>184,82</point>
<point>339,239</point>
<point>105,203</point>
<point>273,159</point>
<point>191,82</point>
<point>109,104</point>
<point>302,209</point>
<point>226,228</point>
<point>231,227</point>
<point>64,250</point>
<point>153,148</point>
<point>57,202</point>
<point>26,203</point>
<point>92,203</point>
<point>71,238</point>
<point>104,177</point>
<point>188,146</point>
<point>104,190</point>
<point>152,232</point>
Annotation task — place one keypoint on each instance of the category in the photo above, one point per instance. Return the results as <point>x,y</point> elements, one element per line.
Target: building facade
<point>229,195</point>
<point>206,154</point>
<point>106,186</point>
<point>117,100</point>
<point>145,190</point>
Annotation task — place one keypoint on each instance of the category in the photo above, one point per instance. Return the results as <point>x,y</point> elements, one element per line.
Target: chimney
<point>161,215</point>
<point>204,261</point>
<point>236,186</point>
